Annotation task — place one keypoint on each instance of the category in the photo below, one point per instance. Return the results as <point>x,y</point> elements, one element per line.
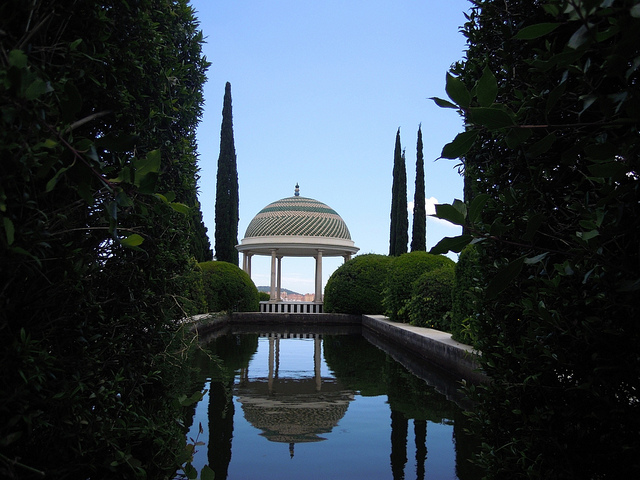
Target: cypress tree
<point>394,197</point>
<point>419,229</point>
<point>402,215</point>
<point>227,201</point>
<point>399,235</point>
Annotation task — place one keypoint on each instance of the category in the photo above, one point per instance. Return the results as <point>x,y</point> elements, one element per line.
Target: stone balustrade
<point>290,307</point>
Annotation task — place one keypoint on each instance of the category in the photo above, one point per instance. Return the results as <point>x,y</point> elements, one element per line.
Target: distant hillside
<point>267,289</point>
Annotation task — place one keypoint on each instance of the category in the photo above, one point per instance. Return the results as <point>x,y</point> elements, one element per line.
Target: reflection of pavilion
<point>293,410</point>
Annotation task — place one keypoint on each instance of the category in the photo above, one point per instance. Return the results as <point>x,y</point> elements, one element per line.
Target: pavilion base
<point>290,307</point>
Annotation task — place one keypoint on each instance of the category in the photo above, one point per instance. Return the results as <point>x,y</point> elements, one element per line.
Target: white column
<point>271,358</point>
<point>317,356</point>
<point>346,257</point>
<point>279,289</point>
<point>248,270</point>
<point>272,293</point>
<point>318,296</point>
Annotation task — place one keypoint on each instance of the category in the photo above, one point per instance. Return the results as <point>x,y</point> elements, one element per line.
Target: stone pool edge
<point>431,345</point>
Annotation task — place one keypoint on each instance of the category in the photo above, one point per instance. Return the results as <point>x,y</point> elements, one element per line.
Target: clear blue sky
<point>319,88</point>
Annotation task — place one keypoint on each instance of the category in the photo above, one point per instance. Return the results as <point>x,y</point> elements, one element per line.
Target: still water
<point>317,406</point>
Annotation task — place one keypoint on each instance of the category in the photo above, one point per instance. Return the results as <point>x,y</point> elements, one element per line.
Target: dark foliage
<point>419,228</point>
<point>99,103</point>
<point>399,231</point>
<point>227,201</point>
<point>464,297</point>
<point>550,94</point>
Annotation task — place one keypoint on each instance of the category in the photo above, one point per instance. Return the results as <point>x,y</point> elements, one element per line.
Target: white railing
<point>290,307</point>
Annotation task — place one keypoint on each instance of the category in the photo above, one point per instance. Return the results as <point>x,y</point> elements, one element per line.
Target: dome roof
<point>298,216</point>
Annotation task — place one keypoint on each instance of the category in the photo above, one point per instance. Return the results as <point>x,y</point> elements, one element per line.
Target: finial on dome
<point>297,192</point>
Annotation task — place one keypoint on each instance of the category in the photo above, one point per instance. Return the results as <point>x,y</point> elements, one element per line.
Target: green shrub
<point>402,274</point>
<point>264,296</point>
<point>430,302</point>
<point>356,286</point>
<point>463,299</point>
<point>228,288</point>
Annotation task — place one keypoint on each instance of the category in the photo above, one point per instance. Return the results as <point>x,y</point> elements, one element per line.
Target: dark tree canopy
<point>419,228</point>
<point>227,201</point>
<point>399,231</point>
<point>99,102</point>
<point>550,93</point>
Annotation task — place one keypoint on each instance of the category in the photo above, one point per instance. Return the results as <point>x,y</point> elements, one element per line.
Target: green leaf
<point>52,183</point>
<point>443,103</point>
<point>536,259</point>
<point>150,164</point>
<point>207,474</point>
<point>451,244</point>
<point>9,229</point>
<point>517,136</point>
<point>579,37</point>
<point>477,204</point>
<point>607,170</point>
<point>487,88</point>
<point>38,87</point>
<point>541,146</point>
<point>449,213</point>
<point>147,171</point>
<point>190,471</point>
<point>457,91</point>
<point>491,117</point>
<point>601,151</point>
<point>504,277</point>
<point>588,235</point>
<point>132,240</point>
<point>460,145</point>
<point>180,207</point>
<point>17,58</point>
<point>536,31</point>
<point>123,199</point>
<point>635,11</point>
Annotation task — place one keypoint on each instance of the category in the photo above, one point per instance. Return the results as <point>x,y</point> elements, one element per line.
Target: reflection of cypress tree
<point>220,427</point>
<point>466,447</point>
<point>399,430</point>
<point>420,432</point>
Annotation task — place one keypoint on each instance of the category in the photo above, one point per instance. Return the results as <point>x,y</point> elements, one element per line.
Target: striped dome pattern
<point>298,216</point>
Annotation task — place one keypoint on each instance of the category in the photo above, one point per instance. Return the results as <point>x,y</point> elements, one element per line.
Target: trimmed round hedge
<point>228,288</point>
<point>402,274</point>
<point>430,303</point>
<point>356,286</point>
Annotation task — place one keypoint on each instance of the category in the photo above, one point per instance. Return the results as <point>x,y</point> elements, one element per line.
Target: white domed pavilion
<point>295,227</point>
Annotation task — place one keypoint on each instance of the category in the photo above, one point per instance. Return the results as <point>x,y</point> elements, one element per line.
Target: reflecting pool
<point>317,406</point>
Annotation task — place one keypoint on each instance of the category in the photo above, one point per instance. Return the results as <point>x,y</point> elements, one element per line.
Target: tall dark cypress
<point>402,214</point>
<point>397,153</point>
<point>419,229</point>
<point>398,237</point>
<point>227,202</point>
